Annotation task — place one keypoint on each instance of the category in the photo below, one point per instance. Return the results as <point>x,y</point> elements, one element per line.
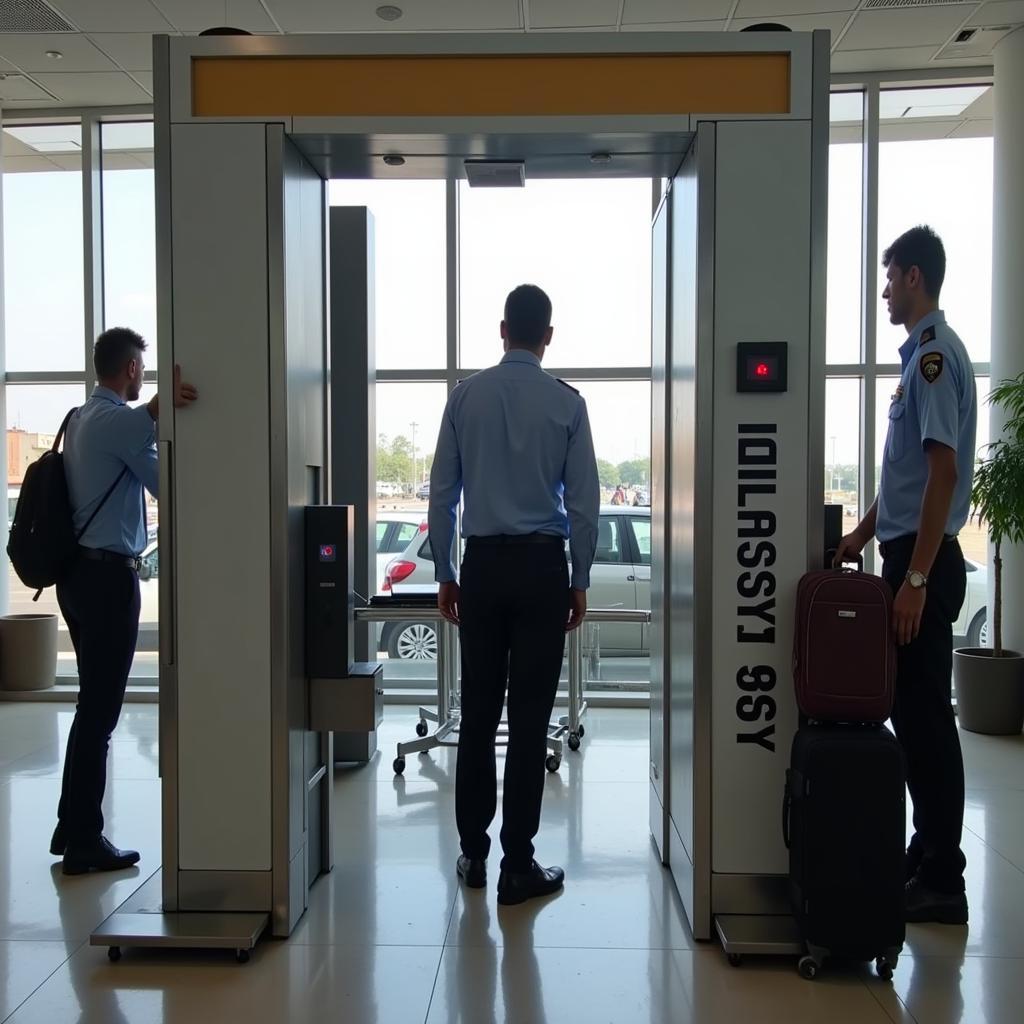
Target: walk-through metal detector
<point>248,130</point>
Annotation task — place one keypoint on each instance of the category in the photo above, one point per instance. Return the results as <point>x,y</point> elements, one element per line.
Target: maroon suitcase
<point>844,650</point>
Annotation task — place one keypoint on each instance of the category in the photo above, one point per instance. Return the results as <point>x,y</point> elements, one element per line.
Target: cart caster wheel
<point>574,741</point>
<point>114,954</point>
<point>583,730</point>
<point>242,956</point>
<point>884,969</point>
<point>399,765</point>
<point>553,763</point>
<point>735,960</point>
<point>421,729</point>
<point>808,968</point>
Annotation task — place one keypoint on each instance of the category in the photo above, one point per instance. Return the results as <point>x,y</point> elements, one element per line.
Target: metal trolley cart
<point>568,729</point>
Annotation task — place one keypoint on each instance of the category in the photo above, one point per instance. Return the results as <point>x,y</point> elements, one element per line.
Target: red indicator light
<point>762,370</point>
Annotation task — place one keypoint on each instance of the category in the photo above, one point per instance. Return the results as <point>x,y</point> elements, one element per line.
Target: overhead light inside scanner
<point>496,173</point>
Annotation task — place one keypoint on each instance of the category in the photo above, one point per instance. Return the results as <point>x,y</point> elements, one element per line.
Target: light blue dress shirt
<point>517,441</point>
<point>936,401</point>
<point>103,437</point>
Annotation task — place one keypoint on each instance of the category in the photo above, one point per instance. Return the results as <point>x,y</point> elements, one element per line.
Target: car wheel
<point>413,641</point>
<point>977,632</point>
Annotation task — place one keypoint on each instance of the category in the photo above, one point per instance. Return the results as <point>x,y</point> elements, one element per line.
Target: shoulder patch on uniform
<point>569,386</point>
<point>928,334</point>
<point>931,366</point>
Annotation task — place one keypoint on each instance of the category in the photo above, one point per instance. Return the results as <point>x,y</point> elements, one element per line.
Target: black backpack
<point>43,542</point>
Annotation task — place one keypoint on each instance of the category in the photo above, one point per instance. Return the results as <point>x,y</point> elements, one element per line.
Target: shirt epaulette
<point>927,335</point>
<point>569,386</point>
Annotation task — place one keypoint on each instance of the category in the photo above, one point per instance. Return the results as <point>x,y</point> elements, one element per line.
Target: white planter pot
<point>28,652</point>
<point>989,691</point>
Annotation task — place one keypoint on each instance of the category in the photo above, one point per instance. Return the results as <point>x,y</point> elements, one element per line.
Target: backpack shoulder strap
<point>98,508</point>
<point>63,427</point>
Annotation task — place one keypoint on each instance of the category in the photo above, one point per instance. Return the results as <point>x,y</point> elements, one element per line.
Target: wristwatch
<point>916,579</point>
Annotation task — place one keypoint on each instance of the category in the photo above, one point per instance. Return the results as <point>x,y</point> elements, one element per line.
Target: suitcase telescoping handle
<point>830,558</point>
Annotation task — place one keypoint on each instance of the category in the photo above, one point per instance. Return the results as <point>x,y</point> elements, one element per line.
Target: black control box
<point>330,601</point>
<point>762,367</point>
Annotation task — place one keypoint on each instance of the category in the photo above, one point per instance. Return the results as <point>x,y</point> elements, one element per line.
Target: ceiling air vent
<point>496,173</point>
<point>881,5</point>
<point>31,16</point>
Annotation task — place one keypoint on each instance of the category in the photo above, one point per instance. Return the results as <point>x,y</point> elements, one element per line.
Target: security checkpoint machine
<point>248,131</point>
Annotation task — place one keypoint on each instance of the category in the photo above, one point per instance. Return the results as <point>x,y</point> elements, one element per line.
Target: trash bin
<point>28,652</point>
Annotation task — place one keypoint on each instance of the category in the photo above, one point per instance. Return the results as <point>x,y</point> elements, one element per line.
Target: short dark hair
<point>527,315</point>
<point>920,247</point>
<point>114,349</point>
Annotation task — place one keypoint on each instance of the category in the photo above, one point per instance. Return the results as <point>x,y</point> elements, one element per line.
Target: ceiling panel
<point>112,15</point>
<point>418,16</point>
<point>94,89</point>
<point>771,10</point>
<point>666,11</point>
<point>145,79</point>
<point>573,13</point>
<point>872,30</point>
<point>15,88</point>
<point>27,164</point>
<point>984,106</point>
<point>678,26</point>
<point>133,51</point>
<point>28,52</point>
<point>1003,12</point>
<point>981,44</point>
<point>979,128</point>
<point>835,23</point>
<point>197,15</point>
<point>896,59</point>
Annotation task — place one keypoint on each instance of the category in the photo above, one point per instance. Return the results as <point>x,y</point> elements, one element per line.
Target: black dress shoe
<point>472,872</point>
<point>929,906</point>
<point>518,887</point>
<point>97,855</point>
<point>59,842</point>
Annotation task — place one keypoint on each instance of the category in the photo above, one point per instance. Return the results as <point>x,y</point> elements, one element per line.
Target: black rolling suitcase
<point>845,826</point>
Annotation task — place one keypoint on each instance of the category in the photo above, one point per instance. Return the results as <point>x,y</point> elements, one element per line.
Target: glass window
<point>408,421</point>
<point>409,268</point>
<point>844,229</point>
<point>947,184</point>
<point>974,536</point>
<point>34,415</point>
<point>610,548</point>
<point>404,535</point>
<point>129,230</point>
<point>382,530</point>
<point>842,447</point>
<point>44,288</point>
<point>587,243</point>
<point>642,535</point>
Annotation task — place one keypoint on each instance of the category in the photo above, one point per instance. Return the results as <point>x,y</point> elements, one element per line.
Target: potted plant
<point>990,681</point>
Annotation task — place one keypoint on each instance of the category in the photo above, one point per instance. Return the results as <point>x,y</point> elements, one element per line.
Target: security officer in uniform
<point>923,502</point>
<point>517,442</point>
<point>109,457</point>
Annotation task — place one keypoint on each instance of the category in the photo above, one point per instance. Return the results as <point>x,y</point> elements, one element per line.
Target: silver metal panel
<point>353,393</point>
<point>224,890</point>
<point>92,232</point>
<point>222,604</point>
<point>661,463</point>
<point>750,894</point>
<point>184,48</point>
<point>759,935</point>
<point>754,714</point>
<point>180,931</point>
<point>295,206</point>
<point>168,696</point>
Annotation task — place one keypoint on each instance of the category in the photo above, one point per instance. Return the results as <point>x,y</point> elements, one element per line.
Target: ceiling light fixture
<point>394,160</point>
<point>54,54</point>
<point>600,158</point>
<point>389,12</point>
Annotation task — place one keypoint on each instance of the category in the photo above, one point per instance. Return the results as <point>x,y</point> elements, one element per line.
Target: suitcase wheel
<point>735,960</point>
<point>808,968</point>
<point>885,966</point>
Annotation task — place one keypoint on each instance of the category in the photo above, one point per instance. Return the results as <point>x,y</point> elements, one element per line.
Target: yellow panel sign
<point>492,86</point>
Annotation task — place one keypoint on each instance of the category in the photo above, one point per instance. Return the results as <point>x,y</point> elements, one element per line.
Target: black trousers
<point>100,603</point>
<point>923,718</point>
<point>515,604</point>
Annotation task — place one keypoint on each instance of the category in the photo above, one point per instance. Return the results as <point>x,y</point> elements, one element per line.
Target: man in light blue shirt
<point>923,502</point>
<point>110,458</point>
<point>516,442</point>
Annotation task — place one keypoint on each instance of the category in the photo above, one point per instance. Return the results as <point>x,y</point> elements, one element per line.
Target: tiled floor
<point>390,937</point>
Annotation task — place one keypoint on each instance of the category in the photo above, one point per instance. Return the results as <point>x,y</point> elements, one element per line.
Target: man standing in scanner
<point>517,441</point>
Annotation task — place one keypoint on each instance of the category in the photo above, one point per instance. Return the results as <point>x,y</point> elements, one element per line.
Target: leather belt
<point>99,555</point>
<point>502,539</point>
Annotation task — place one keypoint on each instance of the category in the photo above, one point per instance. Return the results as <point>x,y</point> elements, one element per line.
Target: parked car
<point>423,493</point>
<point>386,489</point>
<point>620,578</point>
<point>972,625</point>
<point>395,532</point>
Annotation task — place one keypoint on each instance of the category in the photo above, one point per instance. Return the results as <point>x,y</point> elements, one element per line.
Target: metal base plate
<point>759,935</point>
<point>181,930</point>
